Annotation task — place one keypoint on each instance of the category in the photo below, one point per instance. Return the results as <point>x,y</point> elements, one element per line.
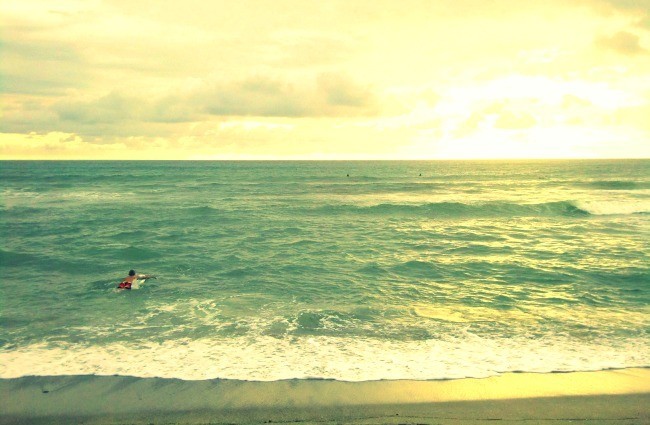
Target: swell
<point>617,184</point>
<point>11,262</point>
<point>460,209</point>
<point>494,209</point>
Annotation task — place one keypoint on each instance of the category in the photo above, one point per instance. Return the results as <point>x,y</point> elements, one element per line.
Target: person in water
<point>127,282</point>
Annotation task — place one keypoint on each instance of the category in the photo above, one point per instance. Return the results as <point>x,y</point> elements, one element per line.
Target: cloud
<point>504,115</point>
<point>300,49</point>
<point>256,96</point>
<point>108,109</point>
<point>342,91</point>
<point>638,9</point>
<point>40,67</point>
<point>26,115</point>
<point>633,117</point>
<point>118,113</point>
<point>515,120</point>
<point>36,59</point>
<point>638,5</point>
<point>622,42</point>
<point>571,102</point>
<point>331,95</point>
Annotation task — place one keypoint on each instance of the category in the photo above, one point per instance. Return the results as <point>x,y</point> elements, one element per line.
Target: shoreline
<point>620,395</point>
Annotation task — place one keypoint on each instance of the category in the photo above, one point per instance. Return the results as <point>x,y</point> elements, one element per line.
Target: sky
<point>302,79</point>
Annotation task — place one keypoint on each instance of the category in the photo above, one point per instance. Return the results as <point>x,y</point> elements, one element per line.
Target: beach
<point>616,396</point>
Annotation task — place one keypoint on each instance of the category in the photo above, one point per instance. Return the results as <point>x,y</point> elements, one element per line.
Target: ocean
<point>352,271</point>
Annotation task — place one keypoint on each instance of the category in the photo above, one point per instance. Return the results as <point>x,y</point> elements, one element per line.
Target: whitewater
<point>354,271</point>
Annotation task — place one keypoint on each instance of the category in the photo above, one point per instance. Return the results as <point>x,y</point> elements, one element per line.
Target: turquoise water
<point>338,270</point>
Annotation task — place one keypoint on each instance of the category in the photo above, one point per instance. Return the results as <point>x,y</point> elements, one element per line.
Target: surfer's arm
<point>146,276</point>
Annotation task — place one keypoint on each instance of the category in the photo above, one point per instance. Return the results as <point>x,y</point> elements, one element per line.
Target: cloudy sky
<point>301,79</point>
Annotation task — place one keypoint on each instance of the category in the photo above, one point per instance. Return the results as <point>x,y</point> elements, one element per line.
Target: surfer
<point>127,282</point>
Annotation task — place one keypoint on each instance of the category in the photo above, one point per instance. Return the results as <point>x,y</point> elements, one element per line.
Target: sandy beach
<point>617,396</point>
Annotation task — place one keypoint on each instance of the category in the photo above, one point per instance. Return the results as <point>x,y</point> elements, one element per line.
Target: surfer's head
<point>131,272</point>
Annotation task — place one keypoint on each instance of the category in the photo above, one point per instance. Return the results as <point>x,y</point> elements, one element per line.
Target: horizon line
<point>325,159</point>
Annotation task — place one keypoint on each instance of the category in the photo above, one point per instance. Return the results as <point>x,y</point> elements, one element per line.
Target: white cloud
<point>623,42</point>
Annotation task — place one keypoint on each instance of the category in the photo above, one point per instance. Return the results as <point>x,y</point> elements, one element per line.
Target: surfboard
<point>137,284</point>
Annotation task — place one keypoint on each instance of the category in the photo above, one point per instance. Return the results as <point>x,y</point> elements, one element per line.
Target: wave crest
<point>461,209</point>
<point>614,207</point>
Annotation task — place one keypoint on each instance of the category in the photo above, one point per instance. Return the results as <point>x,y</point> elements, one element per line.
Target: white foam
<point>24,197</point>
<point>349,359</point>
<point>615,207</point>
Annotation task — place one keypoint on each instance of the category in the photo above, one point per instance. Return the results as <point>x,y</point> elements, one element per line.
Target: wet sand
<point>606,397</point>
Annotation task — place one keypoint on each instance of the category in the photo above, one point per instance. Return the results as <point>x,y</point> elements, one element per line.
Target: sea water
<point>336,270</point>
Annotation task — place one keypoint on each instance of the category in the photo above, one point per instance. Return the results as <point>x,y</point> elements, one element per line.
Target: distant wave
<point>55,197</point>
<point>18,259</point>
<point>136,253</point>
<point>203,209</point>
<point>460,209</point>
<point>497,209</point>
<point>618,184</point>
<point>39,261</point>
